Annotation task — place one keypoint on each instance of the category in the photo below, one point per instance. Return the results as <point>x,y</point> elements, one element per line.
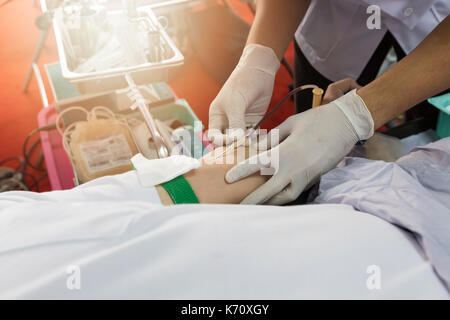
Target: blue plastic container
<point>443,104</point>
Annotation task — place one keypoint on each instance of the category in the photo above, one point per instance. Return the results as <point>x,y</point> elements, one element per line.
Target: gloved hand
<point>245,96</point>
<point>312,143</point>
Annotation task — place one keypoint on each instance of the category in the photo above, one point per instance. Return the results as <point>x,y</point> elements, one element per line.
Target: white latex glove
<point>245,96</point>
<point>313,142</point>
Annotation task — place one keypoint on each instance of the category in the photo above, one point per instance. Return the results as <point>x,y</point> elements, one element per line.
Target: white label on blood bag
<point>105,154</point>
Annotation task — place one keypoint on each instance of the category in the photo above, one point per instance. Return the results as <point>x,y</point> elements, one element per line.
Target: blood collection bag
<point>99,147</point>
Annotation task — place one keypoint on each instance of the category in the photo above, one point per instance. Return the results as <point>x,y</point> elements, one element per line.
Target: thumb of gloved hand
<point>245,96</point>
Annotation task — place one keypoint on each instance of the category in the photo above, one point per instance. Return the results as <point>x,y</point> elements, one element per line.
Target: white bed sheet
<point>127,245</point>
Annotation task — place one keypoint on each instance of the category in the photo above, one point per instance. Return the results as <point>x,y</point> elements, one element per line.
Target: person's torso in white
<point>125,244</point>
<point>335,39</point>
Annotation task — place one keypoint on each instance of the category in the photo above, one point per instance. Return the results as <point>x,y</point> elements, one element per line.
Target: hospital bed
<point>116,240</point>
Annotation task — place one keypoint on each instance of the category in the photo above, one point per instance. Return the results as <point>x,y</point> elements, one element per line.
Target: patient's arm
<point>208,183</point>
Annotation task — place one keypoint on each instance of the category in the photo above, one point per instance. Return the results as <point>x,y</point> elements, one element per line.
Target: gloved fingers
<point>241,170</point>
<point>217,122</point>
<point>339,88</point>
<point>288,194</point>
<point>260,162</point>
<point>275,136</point>
<point>272,187</point>
<point>227,114</point>
<point>216,137</point>
<point>233,134</point>
<point>236,120</point>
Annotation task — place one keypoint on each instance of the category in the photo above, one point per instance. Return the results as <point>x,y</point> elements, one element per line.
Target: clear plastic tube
<point>141,105</point>
<point>94,114</point>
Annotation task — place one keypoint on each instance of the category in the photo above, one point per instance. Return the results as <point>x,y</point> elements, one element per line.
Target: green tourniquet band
<point>180,190</point>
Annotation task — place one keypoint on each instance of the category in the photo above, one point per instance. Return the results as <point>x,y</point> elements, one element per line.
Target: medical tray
<point>99,81</point>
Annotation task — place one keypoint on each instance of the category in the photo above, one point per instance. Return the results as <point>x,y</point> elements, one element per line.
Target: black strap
<point>372,67</point>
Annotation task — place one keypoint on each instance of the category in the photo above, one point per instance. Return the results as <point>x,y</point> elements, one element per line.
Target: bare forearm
<point>209,185</point>
<point>420,75</point>
<point>276,22</point>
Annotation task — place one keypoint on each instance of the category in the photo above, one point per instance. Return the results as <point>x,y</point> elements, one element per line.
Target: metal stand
<point>36,54</point>
<point>43,22</point>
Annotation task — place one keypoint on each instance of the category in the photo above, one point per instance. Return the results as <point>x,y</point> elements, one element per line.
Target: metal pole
<point>41,42</point>
<point>40,85</point>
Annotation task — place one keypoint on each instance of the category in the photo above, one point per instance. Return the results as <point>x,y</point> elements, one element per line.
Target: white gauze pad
<point>156,171</point>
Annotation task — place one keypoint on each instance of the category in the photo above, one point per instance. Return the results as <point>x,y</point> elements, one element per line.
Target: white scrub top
<point>335,38</point>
